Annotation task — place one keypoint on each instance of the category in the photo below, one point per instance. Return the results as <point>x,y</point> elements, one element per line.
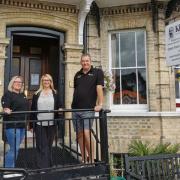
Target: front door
<point>32,52</point>
<point>31,58</point>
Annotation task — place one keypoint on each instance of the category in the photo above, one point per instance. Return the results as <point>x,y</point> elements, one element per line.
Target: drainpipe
<point>154,14</point>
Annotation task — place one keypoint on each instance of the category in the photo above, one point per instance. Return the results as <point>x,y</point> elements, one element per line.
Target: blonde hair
<point>10,86</point>
<point>41,83</point>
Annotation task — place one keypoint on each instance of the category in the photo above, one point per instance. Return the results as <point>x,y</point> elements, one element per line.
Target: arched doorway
<point>32,52</point>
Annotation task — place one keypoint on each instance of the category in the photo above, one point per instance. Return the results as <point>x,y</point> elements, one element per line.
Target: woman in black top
<point>14,100</point>
<point>45,98</point>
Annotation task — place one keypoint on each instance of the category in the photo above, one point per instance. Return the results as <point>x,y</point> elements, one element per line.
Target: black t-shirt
<point>16,102</point>
<point>85,93</point>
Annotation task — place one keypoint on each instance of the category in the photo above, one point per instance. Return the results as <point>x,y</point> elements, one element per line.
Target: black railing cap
<point>53,111</point>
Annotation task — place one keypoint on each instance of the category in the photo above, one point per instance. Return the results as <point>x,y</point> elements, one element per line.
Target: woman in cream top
<point>45,98</point>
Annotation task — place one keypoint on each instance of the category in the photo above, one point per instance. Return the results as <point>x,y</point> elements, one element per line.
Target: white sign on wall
<point>173,44</point>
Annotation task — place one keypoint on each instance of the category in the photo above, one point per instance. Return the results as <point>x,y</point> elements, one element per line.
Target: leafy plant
<point>166,148</point>
<point>109,83</point>
<point>113,171</point>
<point>139,148</point>
<point>116,167</point>
<point>161,148</point>
<point>174,148</point>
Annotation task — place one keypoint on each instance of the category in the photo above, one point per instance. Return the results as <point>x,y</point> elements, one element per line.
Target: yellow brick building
<point>126,38</point>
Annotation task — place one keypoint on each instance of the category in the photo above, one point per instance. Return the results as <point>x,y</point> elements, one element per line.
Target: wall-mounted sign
<point>172,33</point>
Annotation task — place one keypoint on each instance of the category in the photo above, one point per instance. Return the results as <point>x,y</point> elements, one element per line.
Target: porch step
<point>27,158</point>
<point>82,172</point>
<point>78,172</point>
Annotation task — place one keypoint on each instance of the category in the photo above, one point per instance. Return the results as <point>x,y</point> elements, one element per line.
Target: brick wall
<point>160,78</point>
<point>121,130</point>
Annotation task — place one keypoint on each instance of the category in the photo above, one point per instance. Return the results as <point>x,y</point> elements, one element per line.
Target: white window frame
<point>128,107</point>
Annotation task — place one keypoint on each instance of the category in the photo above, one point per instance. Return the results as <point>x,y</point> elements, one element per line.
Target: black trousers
<point>44,140</point>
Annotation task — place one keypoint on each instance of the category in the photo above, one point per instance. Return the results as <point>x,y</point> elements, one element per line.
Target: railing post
<point>126,167</point>
<point>103,136</point>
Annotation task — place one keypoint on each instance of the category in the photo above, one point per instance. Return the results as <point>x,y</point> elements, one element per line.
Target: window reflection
<point>177,87</point>
<point>142,86</point>
<point>177,82</point>
<point>115,49</point>
<point>129,88</point>
<point>141,48</point>
<point>127,49</point>
<point>117,95</point>
<point>15,66</point>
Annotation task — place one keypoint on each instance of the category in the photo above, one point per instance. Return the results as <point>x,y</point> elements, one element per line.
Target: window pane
<point>177,82</point>
<point>34,73</point>
<point>129,86</point>
<point>140,48</point>
<point>177,89</point>
<point>142,86</point>
<point>116,95</point>
<point>115,50</point>
<point>15,66</point>
<point>127,49</point>
<point>128,67</point>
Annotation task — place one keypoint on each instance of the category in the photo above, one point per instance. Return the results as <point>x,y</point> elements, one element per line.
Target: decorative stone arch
<point>58,21</point>
<point>45,20</point>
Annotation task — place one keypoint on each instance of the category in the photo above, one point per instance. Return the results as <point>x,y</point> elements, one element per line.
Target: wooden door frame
<point>37,32</point>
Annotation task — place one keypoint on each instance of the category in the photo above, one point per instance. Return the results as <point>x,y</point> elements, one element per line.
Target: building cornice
<point>128,9</point>
<point>39,5</point>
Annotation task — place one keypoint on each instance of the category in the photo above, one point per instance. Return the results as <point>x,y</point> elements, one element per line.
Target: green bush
<point>139,148</point>
<point>166,148</point>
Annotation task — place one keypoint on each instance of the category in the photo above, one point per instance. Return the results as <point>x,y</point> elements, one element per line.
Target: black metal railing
<point>65,150</point>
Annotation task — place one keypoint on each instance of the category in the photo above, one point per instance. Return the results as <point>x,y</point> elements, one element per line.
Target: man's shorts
<point>82,120</point>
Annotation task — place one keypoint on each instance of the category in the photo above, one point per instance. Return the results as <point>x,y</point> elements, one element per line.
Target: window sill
<point>142,114</point>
